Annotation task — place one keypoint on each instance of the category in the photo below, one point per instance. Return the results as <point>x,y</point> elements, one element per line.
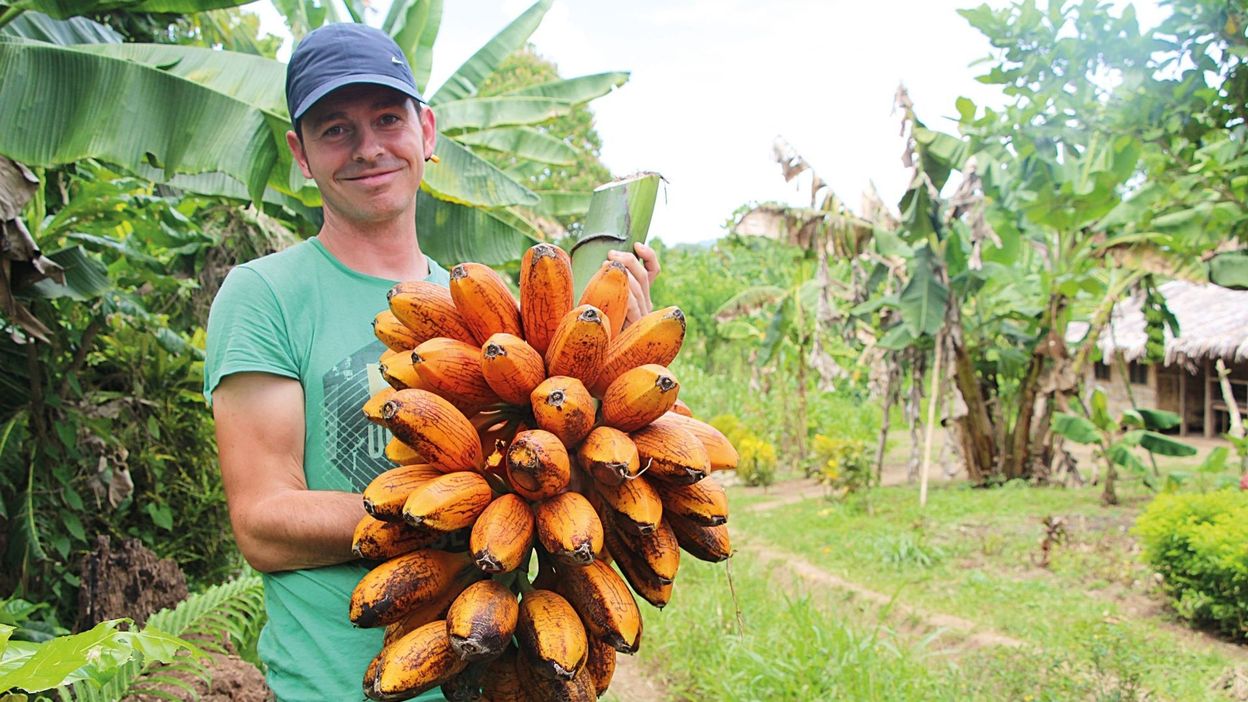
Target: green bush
<point>757,464</point>
<point>1199,544</point>
<point>843,464</point>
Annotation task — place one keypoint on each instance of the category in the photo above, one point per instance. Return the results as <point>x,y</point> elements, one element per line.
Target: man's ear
<point>296,150</point>
<point>428,129</point>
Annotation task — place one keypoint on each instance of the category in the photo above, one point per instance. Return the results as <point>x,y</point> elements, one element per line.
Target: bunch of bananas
<point>552,437</point>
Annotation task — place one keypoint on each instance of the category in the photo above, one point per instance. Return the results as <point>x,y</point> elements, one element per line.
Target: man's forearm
<point>296,528</point>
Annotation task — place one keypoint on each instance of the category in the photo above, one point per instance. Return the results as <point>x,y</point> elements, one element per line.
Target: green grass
<point>1091,620</point>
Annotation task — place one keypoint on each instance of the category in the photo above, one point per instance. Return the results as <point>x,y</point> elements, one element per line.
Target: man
<point>291,359</point>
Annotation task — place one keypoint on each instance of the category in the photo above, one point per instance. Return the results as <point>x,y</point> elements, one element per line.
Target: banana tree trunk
<point>1020,440</point>
<point>979,446</point>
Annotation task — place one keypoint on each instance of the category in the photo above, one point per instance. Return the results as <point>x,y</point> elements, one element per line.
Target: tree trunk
<point>1020,441</point>
<point>889,391</point>
<point>802,429</point>
<point>979,447</point>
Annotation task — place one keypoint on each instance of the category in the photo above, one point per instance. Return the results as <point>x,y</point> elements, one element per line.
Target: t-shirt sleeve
<point>247,331</point>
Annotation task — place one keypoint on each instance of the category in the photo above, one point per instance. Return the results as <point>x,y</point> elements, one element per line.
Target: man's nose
<point>369,146</point>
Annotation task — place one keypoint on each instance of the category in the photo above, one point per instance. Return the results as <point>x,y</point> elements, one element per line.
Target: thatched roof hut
<point>1213,323</point>
<point>1213,326</point>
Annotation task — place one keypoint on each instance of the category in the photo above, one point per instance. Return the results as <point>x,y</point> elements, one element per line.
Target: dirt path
<point>634,683</point>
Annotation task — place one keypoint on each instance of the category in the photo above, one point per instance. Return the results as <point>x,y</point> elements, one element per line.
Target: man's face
<point>365,147</point>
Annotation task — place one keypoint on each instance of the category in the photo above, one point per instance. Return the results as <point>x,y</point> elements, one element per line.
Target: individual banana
<point>511,367</point>
<point>398,452</point>
<point>416,663</point>
<point>452,369</point>
<point>703,502</point>
<point>405,582</point>
<point>604,602</point>
<point>638,397</point>
<point>563,407</point>
<point>465,686</point>
<point>569,528</point>
<point>385,495</point>
<point>551,635</point>
<point>637,505</point>
<point>658,550</point>
<point>370,673</point>
<point>484,302</point>
<point>719,450</point>
<point>579,345</point>
<point>393,333</point>
<point>372,408</point>
<point>655,338</point>
<point>537,464</point>
<point>482,620</point>
<point>608,291</point>
<point>609,455</point>
<point>707,543</point>
<point>448,502</point>
<point>671,453</point>
<point>434,428</point>
<point>545,292</point>
<point>421,615</point>
<point>400,372</point>
<point>601,665</point>
<point>633,564</point>
<point>502,535</point>
<point>427,310</point>
<point>376,540</point>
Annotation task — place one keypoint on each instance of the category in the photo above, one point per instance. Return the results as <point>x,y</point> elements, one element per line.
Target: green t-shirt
<point>300,313</point>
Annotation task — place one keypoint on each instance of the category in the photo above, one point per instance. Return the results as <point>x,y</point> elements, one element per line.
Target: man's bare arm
<point>278,522</point>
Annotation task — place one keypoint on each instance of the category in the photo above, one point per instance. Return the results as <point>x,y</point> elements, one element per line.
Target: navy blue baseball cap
<point>344,54</point>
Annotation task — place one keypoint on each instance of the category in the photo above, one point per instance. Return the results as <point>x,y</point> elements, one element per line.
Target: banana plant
<point>1115,439</point>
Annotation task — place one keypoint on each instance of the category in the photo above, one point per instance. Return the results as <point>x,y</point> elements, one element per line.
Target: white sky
<point>715,81</point>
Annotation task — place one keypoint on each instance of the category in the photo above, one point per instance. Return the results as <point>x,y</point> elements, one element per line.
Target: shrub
<point>843,464</point>
<point>1199,544</point>
<point>757,464</point>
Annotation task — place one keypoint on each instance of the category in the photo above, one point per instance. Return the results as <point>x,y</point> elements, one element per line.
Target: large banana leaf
<point>77,30</point>
<point>563,203</point>
<point>453,233</point>
<point>575,90</point>
<point>468,77</point>
<point>413,24</point>
<point>62,9</point>
<point>71,104</point>
<point>467,179</point>
<point>255,80</point>
<point>525,143</point>
<point>487,113</point>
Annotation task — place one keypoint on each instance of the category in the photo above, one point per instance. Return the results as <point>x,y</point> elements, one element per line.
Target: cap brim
<point>363,78</point>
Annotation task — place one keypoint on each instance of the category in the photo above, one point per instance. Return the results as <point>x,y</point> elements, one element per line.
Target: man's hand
<point>642,270</point>
<point>278,522</point>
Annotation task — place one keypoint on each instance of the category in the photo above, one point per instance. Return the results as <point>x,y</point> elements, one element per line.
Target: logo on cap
<point>395,60</point>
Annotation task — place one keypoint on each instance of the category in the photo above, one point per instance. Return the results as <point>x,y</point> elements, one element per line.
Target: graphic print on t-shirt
<point>355,445</point>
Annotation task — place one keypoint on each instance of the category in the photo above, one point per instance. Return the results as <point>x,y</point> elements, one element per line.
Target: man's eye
<point>335,130</point>
<point>389,119</point>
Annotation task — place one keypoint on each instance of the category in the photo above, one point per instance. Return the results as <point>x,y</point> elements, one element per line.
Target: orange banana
<point>427,310</point>
<point>579,345</point>
<point>376,540</point>
<point>605,604</point>
<point>645,582</point>
<point>391,332</point>
<point>400,371</point>
<point>500,681</point>
<point>435,429</point>
<point>448,502</point>
<point>655,338</point>
<point>608,291</point>
<point>636,503</point>
<point>563,407</point>
<point>719,450</point>
<point>538,465</point>
<point>601,665</point>
<point>372,408</point>
<point>551,635</point>
<point>703,502</point>
<point>511,367</point>
<point>405,582</point>
<point>671,453</point>
<point>609,455</point>
<point>482,620</point>
<point>707,543</point>
<point>502,535</point>
<point>682,409</point>
<point>416,663</point>
<point>545,292</point>
<point>422,614</point>
<point>578,688</point>
<point>452,369</point>
<point>385,495</point>
<point>484,302</point>
<point>399,452</point>
<point>568,528</point>
<point>639,396</point>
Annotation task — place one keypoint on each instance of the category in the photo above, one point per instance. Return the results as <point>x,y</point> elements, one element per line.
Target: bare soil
<point>126,580</point>
<point>228,679</point>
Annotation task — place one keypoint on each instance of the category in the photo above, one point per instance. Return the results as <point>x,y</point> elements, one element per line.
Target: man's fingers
<point>631,263</point>
<point>649,259</point>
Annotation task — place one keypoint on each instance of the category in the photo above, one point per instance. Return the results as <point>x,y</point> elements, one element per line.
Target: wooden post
<point>1236,428</point>
<point>1182,400</point>
<point>1208,401</point>
<point>933,397</point>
